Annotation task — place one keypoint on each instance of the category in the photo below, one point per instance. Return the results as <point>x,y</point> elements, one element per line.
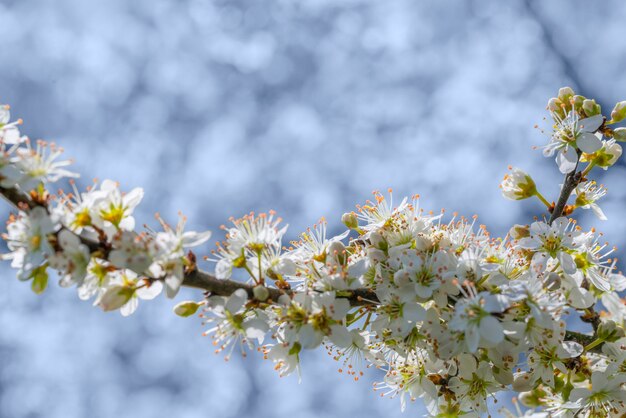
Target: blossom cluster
<point>455,316</point>
<point>88,237</point>
<point>451,315</point>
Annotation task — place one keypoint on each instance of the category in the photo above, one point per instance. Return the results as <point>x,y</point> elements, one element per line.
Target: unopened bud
<point>518,185</point>
<point>522,382</point>
<point>260,293</point>
<point>186,308</point>
<point>378,240</point>
<point>591,108</point>
<point>607,155</point>
<point>115,297</point>
<point>553,105</point>
<point>565,94</point>
<point>337,253</point>
<point>619,112</point>
<point>577,101</point>
<point>619,134</point>
<point>350,220</point>
<point>609,331</point>
<point>529,399</point>
<point>519,231</point>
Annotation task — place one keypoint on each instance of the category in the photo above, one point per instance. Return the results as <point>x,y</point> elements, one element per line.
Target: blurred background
<point>217,108</point>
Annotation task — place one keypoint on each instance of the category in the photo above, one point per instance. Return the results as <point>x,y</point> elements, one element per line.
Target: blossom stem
<point>593,344</point>
<point>543,199</point>
<point>587,169</point>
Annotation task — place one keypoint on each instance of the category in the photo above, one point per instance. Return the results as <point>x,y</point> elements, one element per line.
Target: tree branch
<point>199,279</point>
<point>569,184</point>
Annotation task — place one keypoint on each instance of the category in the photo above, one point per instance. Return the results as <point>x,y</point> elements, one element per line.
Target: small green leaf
<point>40,280</point>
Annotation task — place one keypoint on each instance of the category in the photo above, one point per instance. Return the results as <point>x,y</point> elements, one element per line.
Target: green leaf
<point>40,280</point>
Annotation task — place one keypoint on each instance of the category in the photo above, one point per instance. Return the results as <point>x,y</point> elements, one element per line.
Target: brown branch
<point>199,279</point>
<point>569,184</point>
<point>195,278</point>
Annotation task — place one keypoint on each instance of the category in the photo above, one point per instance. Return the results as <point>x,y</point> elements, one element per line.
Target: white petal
<point>591,124</point>
<point>223,269</point>
<point>130,307</point>
<point>256,328</point>
<point>191,239</point>
<point>598,212</point>
<point>491,330</point>
<point>150,292</point>
<point>172,285</point>
<point>588,143</point>
<point>472,338</point>
<point>413,312</point>
<point>340,336</point>
<point>309,338</point>
<point>569,349</point>
<point>132,198</point>
<point>236,301</point>
<point>566,160</point>
<point>567,262</point>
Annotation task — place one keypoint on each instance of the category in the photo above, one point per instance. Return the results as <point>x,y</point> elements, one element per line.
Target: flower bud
<point>619,134</point>
<point>518,185</point>
<point>519,231</point>
<point>565,96</point>
<point>609,331</point>
<point>522,382</point>
<point>186,308</point>
<point>577,102</point>
<point>115,297</point>
<point>591,108</point>
<point>350,220</point>
<point>337,253</point>
<point>554,106</point>
<point>260,293</point>
<point>619,112</point>
<point>378,240</point>
<point>530,399</point>
<point>606,156</point>
<point>565,93</point>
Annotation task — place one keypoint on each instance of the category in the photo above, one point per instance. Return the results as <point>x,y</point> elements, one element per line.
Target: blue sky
<point>217,108</point>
